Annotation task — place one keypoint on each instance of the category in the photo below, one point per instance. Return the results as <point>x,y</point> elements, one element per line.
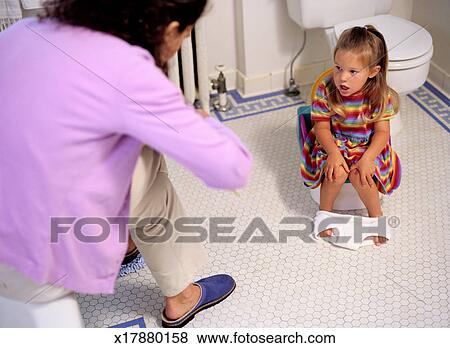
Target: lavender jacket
<point>76,106</point>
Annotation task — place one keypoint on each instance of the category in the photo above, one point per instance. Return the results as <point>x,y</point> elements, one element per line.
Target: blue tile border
<point>240,99</point>
<point>251,106</point>
<point>261,112</point>
<point>429,112</point>
<point>139,321</point>
<point>437,93</point>
<point>434,103</point>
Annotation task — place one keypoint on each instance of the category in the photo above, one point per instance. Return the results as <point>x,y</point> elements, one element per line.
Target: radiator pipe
<point>221,103</point>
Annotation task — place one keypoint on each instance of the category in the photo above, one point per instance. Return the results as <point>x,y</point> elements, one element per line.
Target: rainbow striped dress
<point>352,135</point>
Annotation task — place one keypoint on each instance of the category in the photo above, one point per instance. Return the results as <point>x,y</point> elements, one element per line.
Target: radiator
<point>192,78</point>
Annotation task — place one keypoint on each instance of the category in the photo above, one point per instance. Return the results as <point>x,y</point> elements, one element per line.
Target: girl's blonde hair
<point>369,43</point>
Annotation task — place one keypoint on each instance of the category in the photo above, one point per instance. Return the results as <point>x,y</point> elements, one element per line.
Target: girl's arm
<point>326,140</point>
<point>382,130</point>
<point>379,140</point>
<point>366,165</point>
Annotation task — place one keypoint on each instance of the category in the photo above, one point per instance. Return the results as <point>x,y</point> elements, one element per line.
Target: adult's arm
<point>153,110</point>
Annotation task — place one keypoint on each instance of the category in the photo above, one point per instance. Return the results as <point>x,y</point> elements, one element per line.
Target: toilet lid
<point>404,39</point>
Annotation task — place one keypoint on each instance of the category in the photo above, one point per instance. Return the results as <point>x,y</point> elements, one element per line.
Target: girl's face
<point>350,73</point>
<point>173,39</point>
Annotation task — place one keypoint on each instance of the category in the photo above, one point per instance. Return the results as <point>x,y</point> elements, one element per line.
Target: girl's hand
<point>334,161</point>
<point>366,168</point>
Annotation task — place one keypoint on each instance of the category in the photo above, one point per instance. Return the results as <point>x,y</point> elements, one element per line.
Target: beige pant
<point>173,265</point>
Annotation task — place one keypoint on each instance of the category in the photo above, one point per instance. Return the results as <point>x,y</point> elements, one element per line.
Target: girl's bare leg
<point>328,193</point>
<point>370,198</point>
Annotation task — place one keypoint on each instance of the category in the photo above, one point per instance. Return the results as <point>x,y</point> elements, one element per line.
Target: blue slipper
<point>213,290</point>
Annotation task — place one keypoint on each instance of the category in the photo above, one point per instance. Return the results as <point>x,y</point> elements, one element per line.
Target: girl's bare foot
<point>326,233</point>
<point>379,240</point>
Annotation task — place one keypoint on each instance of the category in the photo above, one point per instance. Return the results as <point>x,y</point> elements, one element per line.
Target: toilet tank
<point>310,14</point>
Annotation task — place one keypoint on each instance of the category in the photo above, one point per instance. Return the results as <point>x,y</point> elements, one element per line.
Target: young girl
<point>351,108</point>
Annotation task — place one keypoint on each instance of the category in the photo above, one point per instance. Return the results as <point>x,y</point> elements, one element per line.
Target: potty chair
<point>410,46</point>
<point>348,198</point>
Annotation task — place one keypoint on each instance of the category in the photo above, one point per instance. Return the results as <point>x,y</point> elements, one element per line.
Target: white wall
<point>272,38</point>
<point>221,37</point>
<point>434,15</point>
<point>402,8</point>
<point>30,13</point>
<point>271,41</point>
<point>258,40</point>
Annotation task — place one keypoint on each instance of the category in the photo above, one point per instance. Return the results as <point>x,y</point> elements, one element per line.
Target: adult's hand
<point>202,113</point>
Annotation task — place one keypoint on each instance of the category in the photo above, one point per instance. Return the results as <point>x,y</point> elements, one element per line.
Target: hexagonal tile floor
<point>405,283</point>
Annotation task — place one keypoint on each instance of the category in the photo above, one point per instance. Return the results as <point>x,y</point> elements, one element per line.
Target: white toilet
<point>410,48</point>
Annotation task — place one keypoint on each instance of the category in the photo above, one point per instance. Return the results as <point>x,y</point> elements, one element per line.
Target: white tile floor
<point>295,284</point>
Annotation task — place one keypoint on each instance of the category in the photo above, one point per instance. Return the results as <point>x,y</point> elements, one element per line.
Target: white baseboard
<point>439,77</point>
<point>278,80</point>
<point>273,81</point>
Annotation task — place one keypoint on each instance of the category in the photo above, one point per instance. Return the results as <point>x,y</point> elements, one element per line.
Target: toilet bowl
<point>410,46</point>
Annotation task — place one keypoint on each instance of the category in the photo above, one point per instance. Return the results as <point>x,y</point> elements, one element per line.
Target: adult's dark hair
<point>139,22</point>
